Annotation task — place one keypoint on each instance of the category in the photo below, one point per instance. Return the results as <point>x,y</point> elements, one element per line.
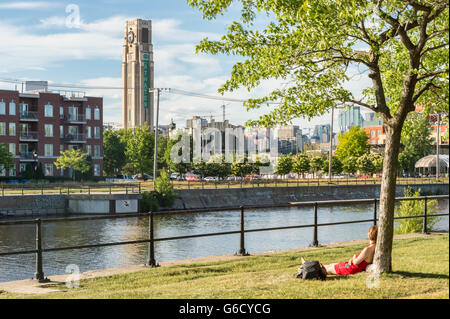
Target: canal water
<point>22,237</point>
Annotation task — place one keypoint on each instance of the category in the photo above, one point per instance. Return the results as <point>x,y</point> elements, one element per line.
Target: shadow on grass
<point>420,275</point>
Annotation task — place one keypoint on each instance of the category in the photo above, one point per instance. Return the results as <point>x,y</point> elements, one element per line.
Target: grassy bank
<point>420,270</point>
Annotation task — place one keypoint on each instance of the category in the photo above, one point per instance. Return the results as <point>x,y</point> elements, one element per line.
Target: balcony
<point>28,136</point>
<point>74,138</point>
<point>27,156</point>
<point>28,116</point>
<point>75,118</point>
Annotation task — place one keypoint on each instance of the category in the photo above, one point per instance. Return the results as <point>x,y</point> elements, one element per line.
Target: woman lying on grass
<point>358,262</point>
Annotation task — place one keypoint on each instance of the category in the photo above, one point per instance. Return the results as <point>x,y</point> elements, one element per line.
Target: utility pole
<point>155,154</point>
<point>330,157</point>
<point>437,146</point>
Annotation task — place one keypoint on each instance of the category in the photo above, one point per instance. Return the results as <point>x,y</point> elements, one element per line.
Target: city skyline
<point>88,51</point>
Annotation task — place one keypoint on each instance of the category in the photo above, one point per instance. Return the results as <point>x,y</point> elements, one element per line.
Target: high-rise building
<point>348,117</point>
<point>137,74</point>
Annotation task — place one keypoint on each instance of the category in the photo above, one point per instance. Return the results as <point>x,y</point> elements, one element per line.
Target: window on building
<point>12,108</point>
<point>96,150</point>
<point>2,108</point>
<point>372,133</point>
<point>12,129</point>
<point>22,167</point>
<point>96,113</point>
<point>12,170</point>
<point>61,148</point>
<point>61,131</point>
<point>89,150</point>
<point>48,130</point>
<point>96,169</point>
<point>23,148</point>
<point>12,148</point>
<point>2,170</point>
<point>378,132</point>
<point>48,150</point>
<point>2,128</point>
<point>88,113</point>
<point>372,142</point>
<point>96,132</point>
<point>61,112</point>
<point>48,169</point>
<point>48,110</point>
<point>88,132</point>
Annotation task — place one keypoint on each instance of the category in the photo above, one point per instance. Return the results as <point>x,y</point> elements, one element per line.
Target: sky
<point>80,42</point>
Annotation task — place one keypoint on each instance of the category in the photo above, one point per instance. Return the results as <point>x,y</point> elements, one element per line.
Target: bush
<point>415,208</point>
<point>164,189</point>
<point>149,202</point>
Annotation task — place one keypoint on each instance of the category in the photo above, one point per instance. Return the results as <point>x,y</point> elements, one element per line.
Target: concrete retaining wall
<point>208,198</point>
<point>42,205</point>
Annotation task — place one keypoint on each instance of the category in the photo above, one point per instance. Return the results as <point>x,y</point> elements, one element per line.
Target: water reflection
<point>100,231</point>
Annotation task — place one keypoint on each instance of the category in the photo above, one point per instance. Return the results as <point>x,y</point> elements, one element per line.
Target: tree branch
<point>434,73</point>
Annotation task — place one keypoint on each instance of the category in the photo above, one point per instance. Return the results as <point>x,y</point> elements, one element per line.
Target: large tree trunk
<point>382,258</point>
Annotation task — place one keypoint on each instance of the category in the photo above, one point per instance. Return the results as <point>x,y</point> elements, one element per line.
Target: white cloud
<point>23,5</point>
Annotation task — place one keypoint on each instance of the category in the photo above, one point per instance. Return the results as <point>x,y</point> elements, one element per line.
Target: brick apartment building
<point>36,126</point>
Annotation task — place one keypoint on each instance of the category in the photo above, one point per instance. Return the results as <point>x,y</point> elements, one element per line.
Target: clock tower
<point>137,74</point>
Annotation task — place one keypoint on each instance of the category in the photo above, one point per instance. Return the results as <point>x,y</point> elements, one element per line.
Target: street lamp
<point>155,156</point>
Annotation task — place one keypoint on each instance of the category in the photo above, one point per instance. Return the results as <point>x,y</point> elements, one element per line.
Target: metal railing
<point>28,136</point>
<point>74,137</point>
<point>75,118</point>
<point>69,189</point>
<point>151,261</point>
<point>28,115</point>
<point>295,182</point>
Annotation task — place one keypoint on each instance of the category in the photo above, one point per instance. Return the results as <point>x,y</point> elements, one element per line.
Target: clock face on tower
<point>130,36</point>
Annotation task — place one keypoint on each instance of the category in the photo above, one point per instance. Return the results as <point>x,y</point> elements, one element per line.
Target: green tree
<point>349,165</point>
<point>114,145</point>
<point>416,141</point>
<point>284,164</point>
<point>139,149</point>
<point>182,162</point>
<point>364,164</point>
<point>301,164</point>
<point>241,167</point>
<point>401,45</point>
<point>316,164</point>
<point>164,189</point>
<point>74,159</point>
<point>6,158</point>
<point>336,165</point>
<point>352,144</point>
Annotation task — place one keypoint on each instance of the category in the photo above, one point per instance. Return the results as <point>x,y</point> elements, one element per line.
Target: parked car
<point>192,177</point>
<point>252,177</point>
<point>211,179</point>
<point>124,178</point>
<point>176,177</point>
<point>143,176</point>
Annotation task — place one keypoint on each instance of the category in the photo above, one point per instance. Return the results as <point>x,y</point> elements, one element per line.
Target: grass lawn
<point>420,270</point>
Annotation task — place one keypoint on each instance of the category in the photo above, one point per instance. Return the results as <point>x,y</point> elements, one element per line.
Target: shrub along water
<point>415,208</point>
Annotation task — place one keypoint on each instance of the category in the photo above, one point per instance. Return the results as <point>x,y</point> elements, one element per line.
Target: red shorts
<point>344,268</point>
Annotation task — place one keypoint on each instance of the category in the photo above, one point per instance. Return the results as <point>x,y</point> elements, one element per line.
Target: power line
<point>171,90</point>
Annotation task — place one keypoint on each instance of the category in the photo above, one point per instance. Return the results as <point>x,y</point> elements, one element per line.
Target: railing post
<point>151,246</point>
<point>110,189</point>
<point>39,274</point>
<point>424,228</point>
<point>242,251</point>
<point>42,189</point>
<point>89,189</point>
<point>374,211</point>
<point>315,242</point>
<point>3,190</point>
<point>139,187</point>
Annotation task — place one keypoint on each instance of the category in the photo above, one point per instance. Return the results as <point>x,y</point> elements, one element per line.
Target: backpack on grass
<point>311,270</point>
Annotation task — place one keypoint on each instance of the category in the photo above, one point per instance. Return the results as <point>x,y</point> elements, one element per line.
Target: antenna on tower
<point>223,110</point>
